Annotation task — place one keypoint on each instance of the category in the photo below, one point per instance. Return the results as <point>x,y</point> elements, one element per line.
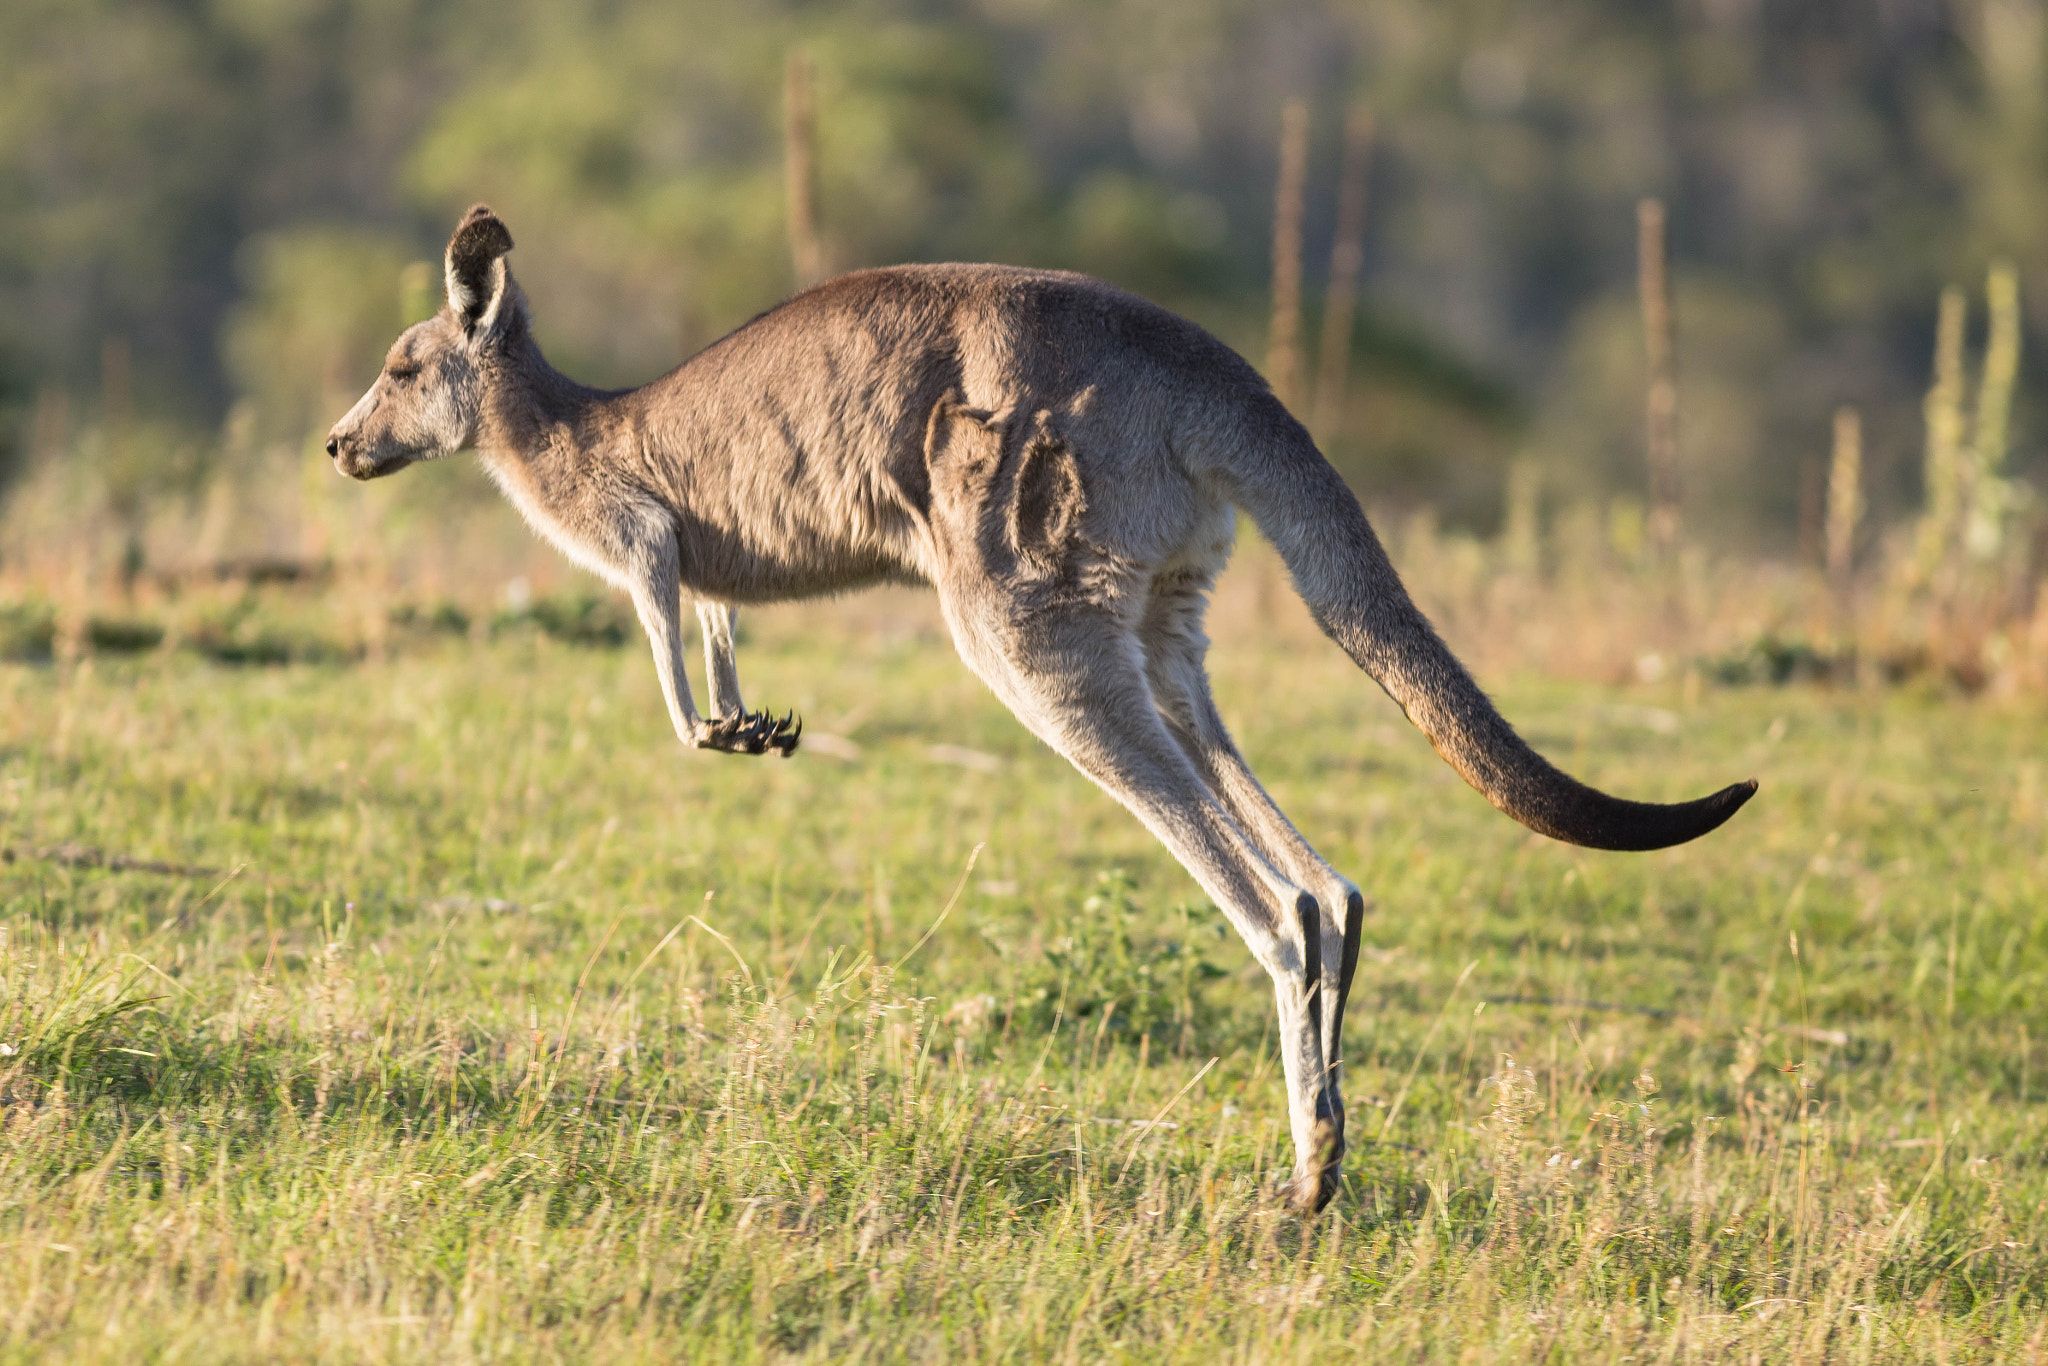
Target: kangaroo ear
<point>477,278</point>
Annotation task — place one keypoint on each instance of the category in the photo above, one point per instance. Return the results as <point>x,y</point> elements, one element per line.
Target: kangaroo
<point>1062,462</point>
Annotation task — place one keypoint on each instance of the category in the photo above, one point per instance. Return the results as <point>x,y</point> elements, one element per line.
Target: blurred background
<point>1586,298</point>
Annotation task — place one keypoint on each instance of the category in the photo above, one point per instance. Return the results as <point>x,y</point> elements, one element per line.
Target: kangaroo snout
<point>352,460</point>
<point>346,461</point>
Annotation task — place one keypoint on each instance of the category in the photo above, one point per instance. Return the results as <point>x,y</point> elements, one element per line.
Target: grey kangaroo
<point>1061,461</point>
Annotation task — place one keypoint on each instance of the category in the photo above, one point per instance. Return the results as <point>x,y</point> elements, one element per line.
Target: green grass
<point>485,1024</point>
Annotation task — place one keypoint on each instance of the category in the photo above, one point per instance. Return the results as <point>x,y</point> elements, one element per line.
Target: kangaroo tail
<point>1344,575</point>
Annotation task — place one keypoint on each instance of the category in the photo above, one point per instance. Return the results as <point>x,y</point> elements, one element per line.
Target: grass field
<point>474,1021</point>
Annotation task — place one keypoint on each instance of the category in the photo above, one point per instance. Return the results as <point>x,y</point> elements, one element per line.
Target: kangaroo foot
<point>753,732</point>
<point>1316,1181</point>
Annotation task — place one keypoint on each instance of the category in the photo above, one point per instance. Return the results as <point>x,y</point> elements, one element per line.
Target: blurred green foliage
<point>1109,963</point>
<point>598,620</point>
<point>232,189</point>
<point>315,301</point>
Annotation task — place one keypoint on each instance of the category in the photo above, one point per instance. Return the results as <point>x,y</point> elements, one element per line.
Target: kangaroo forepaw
<point>753,732</point>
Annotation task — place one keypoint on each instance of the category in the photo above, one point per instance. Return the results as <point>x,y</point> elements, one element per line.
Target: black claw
<point>753,732</point>
<point>1354,932</point>
<point>1311,917</point>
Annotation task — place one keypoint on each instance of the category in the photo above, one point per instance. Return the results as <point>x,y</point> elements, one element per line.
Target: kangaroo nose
<point>333,448</point>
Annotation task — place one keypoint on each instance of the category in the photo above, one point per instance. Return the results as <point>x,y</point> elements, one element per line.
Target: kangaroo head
<point>429,396</point>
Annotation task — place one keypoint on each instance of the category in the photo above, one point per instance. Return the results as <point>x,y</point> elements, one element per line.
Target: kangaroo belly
<point>772,513</point>
<point>728,565</point>
<point>797,542</point>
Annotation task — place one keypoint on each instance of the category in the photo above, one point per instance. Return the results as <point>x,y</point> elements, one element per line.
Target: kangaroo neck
<point>531,415</point>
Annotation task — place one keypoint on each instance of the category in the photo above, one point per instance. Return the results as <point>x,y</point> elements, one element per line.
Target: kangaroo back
<point>1278,477</point>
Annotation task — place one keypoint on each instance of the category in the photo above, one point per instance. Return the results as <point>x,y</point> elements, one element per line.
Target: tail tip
<point>1681,824</point>
<point>1726,803</point>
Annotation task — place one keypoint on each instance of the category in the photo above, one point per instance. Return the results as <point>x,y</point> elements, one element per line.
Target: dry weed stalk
<point>1696,1183</point>
<point>332,1001</point>
<point>1521,528</point>
<point>877,1006</point>
<point>1642,1187</point>
<point>1283,350</point>
<point>1973,578</point>
<point>448,1063</point>
<point>1347,259</point>
<point>1516,1102</point>
<point>1988,498</point>
<point>1845,505</point>
<point>1661,402</point>
<point>800,171</point>
<point>1943,411</point>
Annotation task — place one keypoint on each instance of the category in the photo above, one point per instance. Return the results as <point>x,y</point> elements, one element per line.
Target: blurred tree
<point>118,153</point>
<point>320,305</point>
<point>1828,166</point>
<point>642,144</point>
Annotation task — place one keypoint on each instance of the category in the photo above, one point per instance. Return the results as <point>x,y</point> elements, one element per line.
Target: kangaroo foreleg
<point>657,598</point>
<point>721,667</point>
<point>735,730</point>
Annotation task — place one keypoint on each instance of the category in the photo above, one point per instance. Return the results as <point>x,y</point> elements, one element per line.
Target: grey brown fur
<point>1061,461</point>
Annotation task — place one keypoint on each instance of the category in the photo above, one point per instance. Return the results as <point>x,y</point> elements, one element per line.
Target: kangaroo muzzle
<point>350,459</point>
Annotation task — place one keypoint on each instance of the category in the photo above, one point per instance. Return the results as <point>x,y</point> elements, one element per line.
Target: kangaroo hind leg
<point>1175,650</point>
<point>1074,675</point>
<point>1049,615</point>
